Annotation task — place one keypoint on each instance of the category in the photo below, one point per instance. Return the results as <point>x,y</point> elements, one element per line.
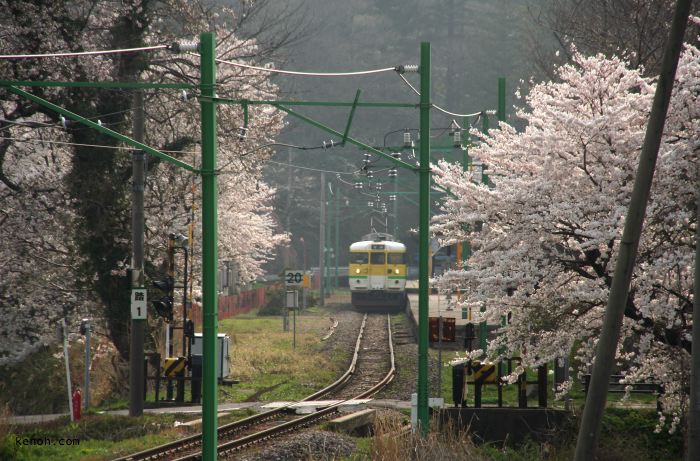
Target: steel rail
<point>195,441</point>
<point>307,420</point>
<point>227,448</point>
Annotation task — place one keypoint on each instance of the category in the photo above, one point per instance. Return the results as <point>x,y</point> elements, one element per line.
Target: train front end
<point>377,275</point>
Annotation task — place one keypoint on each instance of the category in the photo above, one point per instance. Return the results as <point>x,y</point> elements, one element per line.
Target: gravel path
<point>316,445</point>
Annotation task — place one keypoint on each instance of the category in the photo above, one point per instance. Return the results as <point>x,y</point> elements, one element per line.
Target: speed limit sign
<point>293,278</point>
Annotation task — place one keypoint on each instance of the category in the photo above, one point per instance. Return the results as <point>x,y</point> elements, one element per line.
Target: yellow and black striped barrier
<point>484,373</point>
<point>173,366</point>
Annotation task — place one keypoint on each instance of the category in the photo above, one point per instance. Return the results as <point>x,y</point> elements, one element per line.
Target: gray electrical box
<point>223,345</point>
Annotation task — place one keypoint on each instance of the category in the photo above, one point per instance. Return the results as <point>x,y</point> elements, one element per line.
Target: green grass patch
<point>268,364</point>
<point>94,437</point>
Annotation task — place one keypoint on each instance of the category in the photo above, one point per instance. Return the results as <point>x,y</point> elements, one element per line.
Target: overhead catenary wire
<point>311,169</point>
<point>221,171</point>
<point>76,144</point>
<point>309,74</point>
<point>454,114</point>
<point>282,144</point>
<point>83,53</point>
<point>35,124</point>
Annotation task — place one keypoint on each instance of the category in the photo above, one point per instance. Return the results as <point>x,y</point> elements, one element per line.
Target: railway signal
<point>164,305</point>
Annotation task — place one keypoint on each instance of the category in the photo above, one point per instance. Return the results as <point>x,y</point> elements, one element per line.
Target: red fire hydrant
<point>76,404</point>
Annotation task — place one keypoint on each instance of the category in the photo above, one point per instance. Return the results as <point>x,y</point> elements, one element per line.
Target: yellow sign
<point>172,366</point>
<point>306,283</point>
<point>484,372</point>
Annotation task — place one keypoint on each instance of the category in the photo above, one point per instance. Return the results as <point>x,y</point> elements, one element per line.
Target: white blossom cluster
<point>545,232</point>
<point>41,280</point>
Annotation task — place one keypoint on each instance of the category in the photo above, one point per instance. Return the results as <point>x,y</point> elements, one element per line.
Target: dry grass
<point>392,441</point>
<point>262,354</point>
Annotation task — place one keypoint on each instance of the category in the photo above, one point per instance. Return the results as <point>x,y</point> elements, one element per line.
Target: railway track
<point>366,375</point>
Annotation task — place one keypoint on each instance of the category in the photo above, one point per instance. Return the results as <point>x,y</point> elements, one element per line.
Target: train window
<point>358,258</point>
<point>396,258</point>
<point>377,258</point>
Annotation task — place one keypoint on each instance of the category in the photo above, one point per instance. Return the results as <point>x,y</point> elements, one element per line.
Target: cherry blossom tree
<point>65,211</point>
<point>546,228</point>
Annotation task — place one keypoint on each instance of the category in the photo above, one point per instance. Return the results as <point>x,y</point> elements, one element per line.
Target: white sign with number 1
<point>138,303</point>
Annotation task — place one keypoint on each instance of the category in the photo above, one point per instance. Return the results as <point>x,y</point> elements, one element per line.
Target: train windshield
<point>396,258</point>
<point>377,258</point>
<point>358,258</point>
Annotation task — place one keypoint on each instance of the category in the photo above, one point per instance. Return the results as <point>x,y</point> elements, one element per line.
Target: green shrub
<point>275,301</point>
<point>40,370</point>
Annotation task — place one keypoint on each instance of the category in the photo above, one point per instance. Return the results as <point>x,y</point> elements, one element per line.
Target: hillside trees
<point>65,207</point>
<point>552,222</point>
<point>637,28</point>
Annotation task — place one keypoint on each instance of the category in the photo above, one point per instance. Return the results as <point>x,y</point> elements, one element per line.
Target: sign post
<point>293,279</point>
<point>291,304</point>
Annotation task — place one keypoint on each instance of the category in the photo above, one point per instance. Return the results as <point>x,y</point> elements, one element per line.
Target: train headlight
<point>396,271</point>
<point>357,271</point>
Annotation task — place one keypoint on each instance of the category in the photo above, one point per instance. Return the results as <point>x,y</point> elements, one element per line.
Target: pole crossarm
<point>357,143</point>
<point>273,102</point>
<point>122,85</point>
<point>102,129</point>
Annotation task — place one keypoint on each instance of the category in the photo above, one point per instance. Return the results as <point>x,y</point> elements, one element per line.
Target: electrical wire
<point>309,74</point>
<point>435,105</point>
<point>82,53</point>
<point>31,124</point>
<point>66,143</point>
<point>322,146</point>
<point>311,169</point>
<point>75,144</point>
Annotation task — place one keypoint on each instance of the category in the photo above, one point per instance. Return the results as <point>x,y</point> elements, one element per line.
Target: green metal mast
<point>423,231</point>
<point>207,52</point>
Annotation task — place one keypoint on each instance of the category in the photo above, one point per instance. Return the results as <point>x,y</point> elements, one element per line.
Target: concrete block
<point>353,421</point>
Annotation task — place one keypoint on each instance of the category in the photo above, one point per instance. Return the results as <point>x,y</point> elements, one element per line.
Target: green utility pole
<point>138,326</point>
<point>395,232</point>
<point>207,51</point>
<point>322,242</point>
<point>327,249</point>
<point>337,234</point>
<point>423,232</point>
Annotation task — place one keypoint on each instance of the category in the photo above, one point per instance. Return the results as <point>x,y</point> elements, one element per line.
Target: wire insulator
<point>407,142</point>
<point>242,133</point>
<point>184,47</point>
<point>407,69</point>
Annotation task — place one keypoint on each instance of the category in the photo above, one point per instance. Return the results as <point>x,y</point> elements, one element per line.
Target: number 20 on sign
<point>293,278</point>
<point>138,304</point>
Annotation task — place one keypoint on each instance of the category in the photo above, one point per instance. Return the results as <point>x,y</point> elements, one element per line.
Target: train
<point>377,270</point>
